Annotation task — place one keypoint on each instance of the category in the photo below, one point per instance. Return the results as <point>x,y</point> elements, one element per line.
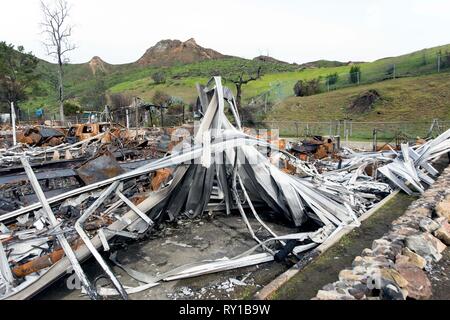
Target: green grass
<point>408,99</point>
<point>408,105</point>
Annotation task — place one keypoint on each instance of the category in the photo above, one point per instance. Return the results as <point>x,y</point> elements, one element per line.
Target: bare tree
<point>58,32</point>
<point>241,79</point>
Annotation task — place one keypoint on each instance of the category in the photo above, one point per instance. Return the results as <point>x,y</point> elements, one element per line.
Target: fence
<point>127,117</point>
<point>356,131</point>
<point>425,63</point>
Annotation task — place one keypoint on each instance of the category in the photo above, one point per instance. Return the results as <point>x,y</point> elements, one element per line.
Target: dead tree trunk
<point>61,91</point>
<point>239,82</point>
<point>58,32</point>
<point>238,95</point>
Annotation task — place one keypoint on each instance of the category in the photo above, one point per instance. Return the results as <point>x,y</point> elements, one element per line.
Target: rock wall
<point>398,265</point>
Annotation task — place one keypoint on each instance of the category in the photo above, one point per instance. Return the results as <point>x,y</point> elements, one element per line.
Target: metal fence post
<point>345,127</point>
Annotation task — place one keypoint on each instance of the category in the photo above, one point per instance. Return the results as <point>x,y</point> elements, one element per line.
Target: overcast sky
<point>120,31</point>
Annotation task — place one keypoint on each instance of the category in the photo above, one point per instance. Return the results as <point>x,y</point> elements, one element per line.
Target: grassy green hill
<point>408,99</point>
<point>406,105</point>
<point>278,80</point>
<point>281,82</point>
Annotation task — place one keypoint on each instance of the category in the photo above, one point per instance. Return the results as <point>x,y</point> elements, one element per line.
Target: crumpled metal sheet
<point>100,168</point>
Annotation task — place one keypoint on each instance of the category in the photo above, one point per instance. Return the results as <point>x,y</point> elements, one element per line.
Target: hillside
<point>413,99</point>
<point>188,63</point>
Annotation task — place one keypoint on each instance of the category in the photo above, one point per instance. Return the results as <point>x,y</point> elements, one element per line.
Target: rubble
<point>400,265</point>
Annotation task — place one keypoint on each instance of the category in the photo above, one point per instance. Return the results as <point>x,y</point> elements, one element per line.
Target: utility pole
<point>13,121</point>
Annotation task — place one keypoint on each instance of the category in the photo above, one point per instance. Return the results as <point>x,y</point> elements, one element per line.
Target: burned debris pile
<point>218,168</point>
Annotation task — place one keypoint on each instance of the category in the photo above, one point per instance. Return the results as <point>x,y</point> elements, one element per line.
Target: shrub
<point>120,100</point>
<point>71,108</point>
<point>159,77</point>
<point>307,88</point>
<point>160,98</point>
<point>445,60</point>
<point>332,79</point>
<point>390,71</point>
<point>355,74</point>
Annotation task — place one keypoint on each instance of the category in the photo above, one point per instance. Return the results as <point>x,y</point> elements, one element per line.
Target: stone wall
<point>398,265</point>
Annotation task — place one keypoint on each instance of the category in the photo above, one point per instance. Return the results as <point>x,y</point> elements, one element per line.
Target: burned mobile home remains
<point>127,191</point>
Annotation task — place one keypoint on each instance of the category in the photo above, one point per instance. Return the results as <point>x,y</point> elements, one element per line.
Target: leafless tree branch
<point>58,32</point>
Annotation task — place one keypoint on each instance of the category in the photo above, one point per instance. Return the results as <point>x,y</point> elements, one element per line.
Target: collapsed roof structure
<point>219,168</point>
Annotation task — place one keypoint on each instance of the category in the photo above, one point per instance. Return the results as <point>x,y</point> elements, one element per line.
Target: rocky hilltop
<point>170,52</point>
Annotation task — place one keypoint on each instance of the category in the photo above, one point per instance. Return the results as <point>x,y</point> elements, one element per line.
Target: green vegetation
<point>416,100</point>
<point>408,99</point>
<point>275,85</point>
<point>17,75</point>
<point>71,108</point>
<point>159,77</point>
<point>307,88</point>
<point>355,74</point>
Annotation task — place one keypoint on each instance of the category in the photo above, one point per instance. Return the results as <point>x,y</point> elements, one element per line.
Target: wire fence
<point>428,62</point>
<point>356,131</point>
<point>126,117</point>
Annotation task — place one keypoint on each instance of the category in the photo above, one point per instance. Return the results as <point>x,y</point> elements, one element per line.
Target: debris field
<point>85,191</point>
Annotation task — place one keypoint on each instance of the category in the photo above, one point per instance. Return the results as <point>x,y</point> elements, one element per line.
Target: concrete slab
<point>190,241</point>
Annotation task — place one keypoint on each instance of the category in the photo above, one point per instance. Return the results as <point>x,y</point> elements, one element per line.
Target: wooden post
<point>137,117</point>
<point>127,112</point>
<point>151,117</point>
<point>375,140</point>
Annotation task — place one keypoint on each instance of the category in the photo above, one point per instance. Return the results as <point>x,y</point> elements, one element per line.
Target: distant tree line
<point>17,75</point>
